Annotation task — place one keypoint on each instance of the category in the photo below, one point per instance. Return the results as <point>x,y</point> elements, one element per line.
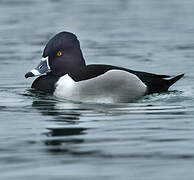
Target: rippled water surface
<point>42,137</point>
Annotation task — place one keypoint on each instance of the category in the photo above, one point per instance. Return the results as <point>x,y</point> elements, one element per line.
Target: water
<point>42,137</point>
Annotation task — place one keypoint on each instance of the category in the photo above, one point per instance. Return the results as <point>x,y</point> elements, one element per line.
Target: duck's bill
<point>42,68</point>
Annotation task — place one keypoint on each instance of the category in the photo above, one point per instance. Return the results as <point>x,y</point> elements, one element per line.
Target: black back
<point>155,83</point>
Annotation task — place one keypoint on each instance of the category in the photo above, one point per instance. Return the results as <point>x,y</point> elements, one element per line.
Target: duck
<point>63,72</point>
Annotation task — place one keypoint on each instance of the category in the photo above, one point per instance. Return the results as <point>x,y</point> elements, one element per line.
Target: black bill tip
<point>29,74</point>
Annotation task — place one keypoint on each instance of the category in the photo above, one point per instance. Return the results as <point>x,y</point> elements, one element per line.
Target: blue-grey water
<point>45,138</point>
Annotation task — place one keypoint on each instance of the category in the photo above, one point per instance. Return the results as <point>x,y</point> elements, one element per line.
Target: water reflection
<point>61,115</point>
<point>65,133</point>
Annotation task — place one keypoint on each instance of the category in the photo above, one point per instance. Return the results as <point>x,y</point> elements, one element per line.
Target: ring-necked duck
<point>67,75</point>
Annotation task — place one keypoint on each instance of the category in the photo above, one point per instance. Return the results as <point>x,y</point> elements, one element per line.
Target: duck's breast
<point>112,86</point>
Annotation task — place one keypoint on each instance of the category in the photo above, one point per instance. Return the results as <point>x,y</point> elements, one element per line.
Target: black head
<point>63,55</point>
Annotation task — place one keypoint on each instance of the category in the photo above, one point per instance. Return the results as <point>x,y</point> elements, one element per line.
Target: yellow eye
<point>59,53</point>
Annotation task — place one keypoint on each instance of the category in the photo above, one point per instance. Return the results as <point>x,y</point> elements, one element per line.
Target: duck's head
<point>61,55</point>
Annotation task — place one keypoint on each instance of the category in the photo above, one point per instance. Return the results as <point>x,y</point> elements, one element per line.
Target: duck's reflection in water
<point>66,132</point>
<point>70,133</point>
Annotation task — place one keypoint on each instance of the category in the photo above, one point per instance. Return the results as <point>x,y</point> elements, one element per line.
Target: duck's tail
<point>170,82</point>
<point>160,83</point>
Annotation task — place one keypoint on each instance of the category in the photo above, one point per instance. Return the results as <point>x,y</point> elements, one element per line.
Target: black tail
<point>158,84</point>
<point>170,82</point>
